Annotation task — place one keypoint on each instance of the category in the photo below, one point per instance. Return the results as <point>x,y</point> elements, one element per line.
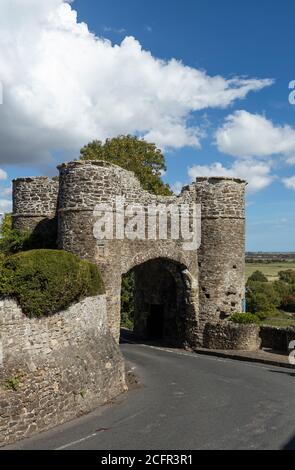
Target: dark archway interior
<point>153,302</point>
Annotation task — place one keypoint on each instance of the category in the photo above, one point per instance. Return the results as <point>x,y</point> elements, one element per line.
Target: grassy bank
<point>270,270</point>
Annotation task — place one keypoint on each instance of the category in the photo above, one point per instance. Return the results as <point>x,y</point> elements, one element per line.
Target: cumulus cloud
<point>257,174</point>
<point>289,182</point>
<point>63,86</point>
<point>245,135</point>
<point>5,192</point>
<point>3,175</point>
<point>5,206</point>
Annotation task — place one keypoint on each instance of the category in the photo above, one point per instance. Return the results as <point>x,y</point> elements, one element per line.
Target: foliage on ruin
<point>13,241</point>
<point>12,383</point>
<point>258,276</point>
<point>127,301</point>
<point>133,154</point>
<point>244,318</point>
<point>47,281</point>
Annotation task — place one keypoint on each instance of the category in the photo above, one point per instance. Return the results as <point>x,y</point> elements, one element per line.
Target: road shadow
<point>274,351</point>
<point>127,337</point>
<point>290,445</point>
<point>284,371</point>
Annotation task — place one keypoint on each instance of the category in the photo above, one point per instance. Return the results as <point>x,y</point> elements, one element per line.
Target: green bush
<point>127,301</point>
<point>287,276</point>
<point>244,318</point>
<point>258,276</point>
<point>262,297</point>
<point>47,281</point>
<point>13,241</point>
<point>288,303</point>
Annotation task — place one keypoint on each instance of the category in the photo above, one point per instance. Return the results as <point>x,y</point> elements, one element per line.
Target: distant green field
<point>270,270</point>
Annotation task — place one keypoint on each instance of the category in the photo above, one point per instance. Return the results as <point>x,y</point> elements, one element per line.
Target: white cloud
<point>4,192</point>
<point>257,174</point>
<point>5,205</point>
<point>3,175</point>
<point>63,86</point>
<point>245,135</point>
<point>289,182</point>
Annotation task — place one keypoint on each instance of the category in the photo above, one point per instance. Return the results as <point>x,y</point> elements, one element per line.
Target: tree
<point>6,226</point>
<point>262,297</point>
<point>127,300</point>
<point>258,276</point>
<point>288,303</point>
<point>287,276</point>
<point>133,154</point>
<point>11,241</point>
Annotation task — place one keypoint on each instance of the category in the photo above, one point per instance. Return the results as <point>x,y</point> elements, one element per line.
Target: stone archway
<point>165,302</point>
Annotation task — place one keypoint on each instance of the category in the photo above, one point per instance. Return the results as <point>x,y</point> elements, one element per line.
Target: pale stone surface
<point>63,366</point>
<point>229,335</point>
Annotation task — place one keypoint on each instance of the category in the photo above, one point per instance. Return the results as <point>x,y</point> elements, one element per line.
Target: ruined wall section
<point>55,368</point>
<point>222,252</point>
<point>35,204</point>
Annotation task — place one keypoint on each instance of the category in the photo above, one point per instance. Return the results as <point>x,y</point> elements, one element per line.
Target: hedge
<point>47,281</point>
<point>244,318</point>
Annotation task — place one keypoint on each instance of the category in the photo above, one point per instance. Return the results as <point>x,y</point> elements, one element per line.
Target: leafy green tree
<point>258,276</point>
<point>127,300</point>
<point>288,303</point>
<point>262,298</point>
<point>11,241</point>
<point>6,226</point>
<point>133,154</point>
<point>287,276</point>
<point>283,289</point>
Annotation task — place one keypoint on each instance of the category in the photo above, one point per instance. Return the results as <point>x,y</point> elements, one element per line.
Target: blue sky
<point>249,40</point>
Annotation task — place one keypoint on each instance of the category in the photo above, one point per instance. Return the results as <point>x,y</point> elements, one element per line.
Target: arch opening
<point>156,302</point>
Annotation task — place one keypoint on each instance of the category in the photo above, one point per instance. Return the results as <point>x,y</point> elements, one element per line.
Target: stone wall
<point>82,186</point>
<point>222,254</point>
<point>228,335</point>
<point>55,368</point>
<point>276,338</point>
<point>35,205</point>
<point>215,271</point>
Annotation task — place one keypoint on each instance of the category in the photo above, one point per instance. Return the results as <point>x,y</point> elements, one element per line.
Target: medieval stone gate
<point>185,289</point>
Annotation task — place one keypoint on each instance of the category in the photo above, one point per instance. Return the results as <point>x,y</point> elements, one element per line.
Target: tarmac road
<point>186,401</point>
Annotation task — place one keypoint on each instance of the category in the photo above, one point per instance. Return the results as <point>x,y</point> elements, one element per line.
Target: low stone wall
<point>228,335</point>
<point>56,368</point>
<point>275,338</point>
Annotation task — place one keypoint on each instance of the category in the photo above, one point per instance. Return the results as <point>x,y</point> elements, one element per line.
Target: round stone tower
<point>83,184</point>
<point>222,252</point>
<point>35,204</point>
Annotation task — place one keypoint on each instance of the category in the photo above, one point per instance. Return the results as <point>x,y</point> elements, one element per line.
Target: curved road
<point>186,401</point>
